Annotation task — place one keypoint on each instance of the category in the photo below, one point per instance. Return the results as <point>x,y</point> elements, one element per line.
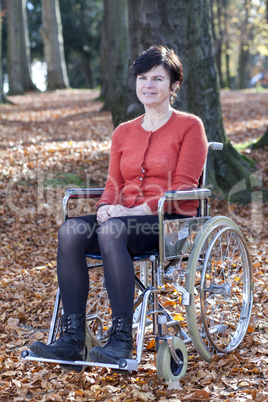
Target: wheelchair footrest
<point>123,364</point>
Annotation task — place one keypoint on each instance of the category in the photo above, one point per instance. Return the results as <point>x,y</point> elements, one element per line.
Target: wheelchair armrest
<point>84,192</point>
<point>183,195</point>
<point>194,194</point>
<point>79,193</point>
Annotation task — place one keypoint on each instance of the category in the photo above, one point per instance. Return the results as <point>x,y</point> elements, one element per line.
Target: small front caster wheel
<point>166,366</point>
<point>24,353</point>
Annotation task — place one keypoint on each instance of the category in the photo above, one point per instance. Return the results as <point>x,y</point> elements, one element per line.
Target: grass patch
<point>63,179</point>
<point>241,146</point>
<point>56,180</point>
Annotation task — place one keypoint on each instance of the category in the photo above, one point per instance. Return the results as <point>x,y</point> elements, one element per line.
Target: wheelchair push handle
<point>215,146</point>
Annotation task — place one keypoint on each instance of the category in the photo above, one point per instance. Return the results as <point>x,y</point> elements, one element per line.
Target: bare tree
<point>18,48</point>
<point>2,96</point>
<point>244,54</point>
<point>218,34</point>
<point>25,49</point>
<point>51,32</point>
<point>114,52</point>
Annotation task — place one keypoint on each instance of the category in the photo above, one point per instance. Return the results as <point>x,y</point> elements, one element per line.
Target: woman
<point>162,150</point>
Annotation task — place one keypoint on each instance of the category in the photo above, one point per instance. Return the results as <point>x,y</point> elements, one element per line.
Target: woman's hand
<point>102,213</point>
<point>111,211</point>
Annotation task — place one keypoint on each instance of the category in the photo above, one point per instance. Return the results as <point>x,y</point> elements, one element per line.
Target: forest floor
<point>57,140</point>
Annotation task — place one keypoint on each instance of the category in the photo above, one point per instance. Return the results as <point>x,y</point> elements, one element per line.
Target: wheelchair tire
<point>166,366</point>
<point>219,279</point>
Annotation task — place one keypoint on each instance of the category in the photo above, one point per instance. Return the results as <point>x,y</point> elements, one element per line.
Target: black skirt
<point>143,231</point>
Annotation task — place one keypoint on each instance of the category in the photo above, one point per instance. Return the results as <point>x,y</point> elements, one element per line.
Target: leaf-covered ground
<point>57,140</point>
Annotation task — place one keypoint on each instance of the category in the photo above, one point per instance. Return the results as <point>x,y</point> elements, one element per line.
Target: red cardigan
<point>143,165</point>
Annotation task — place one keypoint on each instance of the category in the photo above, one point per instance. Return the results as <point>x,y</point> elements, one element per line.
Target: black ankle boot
<point>71,343</point>
<point>119,345</point>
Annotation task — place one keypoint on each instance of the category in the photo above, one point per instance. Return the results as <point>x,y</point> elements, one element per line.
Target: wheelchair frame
<point>216,282</point>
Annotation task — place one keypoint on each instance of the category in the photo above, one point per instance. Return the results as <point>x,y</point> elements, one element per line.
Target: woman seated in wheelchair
<point>164,149</point>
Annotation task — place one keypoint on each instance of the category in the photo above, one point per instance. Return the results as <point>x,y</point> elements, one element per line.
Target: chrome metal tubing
<point>51,333</point>
<point>160,272</point>
<point>183,195</point>
<point>176,358</point>
<point>155,293</point>
<point>123,364</point>
<point>78,193</point>
<point>214,146</point>
<point>142,324</point>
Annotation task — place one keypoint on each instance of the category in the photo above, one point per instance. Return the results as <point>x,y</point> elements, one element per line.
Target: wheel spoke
<point>223,296</point>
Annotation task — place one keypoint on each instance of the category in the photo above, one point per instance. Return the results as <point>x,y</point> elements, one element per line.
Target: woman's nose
<point>149,83</point>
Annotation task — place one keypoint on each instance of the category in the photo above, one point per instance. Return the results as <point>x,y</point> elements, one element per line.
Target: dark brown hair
<point>155,56</point>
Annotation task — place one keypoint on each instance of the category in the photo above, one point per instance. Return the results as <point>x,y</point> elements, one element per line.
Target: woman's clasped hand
<point>111,211</point>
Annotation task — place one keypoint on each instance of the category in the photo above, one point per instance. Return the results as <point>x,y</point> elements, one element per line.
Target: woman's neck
<point>154,119</point>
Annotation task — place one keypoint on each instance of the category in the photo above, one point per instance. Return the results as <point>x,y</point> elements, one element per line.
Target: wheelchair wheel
<point>98,310</point>
<point>166,366</point>
<point>99,314</point>
<point>219,278</point>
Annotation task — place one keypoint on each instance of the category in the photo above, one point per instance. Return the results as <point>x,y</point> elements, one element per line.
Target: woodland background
<point>91,43</point>
<point>60,138</point>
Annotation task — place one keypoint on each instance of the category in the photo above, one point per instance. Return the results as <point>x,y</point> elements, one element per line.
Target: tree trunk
<point>227,64</point>
<point>51,32</point>
<point>219,43</point>
<point>18,48</point>
<point>3,99</point>
<point>262,142</point>
<point>85,56</point>
<point>185,27</point>
<point>244,55</point>
<point>13,48</point>
<point>114,55</point>
<point>226,43</point>
<point>25,50</point>
<point>243,73</point>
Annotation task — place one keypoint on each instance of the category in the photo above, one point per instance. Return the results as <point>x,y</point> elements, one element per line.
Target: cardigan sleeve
<point>191,160</point>
<point>114,183</point>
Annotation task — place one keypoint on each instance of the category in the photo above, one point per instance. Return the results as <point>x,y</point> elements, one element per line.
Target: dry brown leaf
<point>143,396</point>
<point>201,395</point>
<point>13,322</point>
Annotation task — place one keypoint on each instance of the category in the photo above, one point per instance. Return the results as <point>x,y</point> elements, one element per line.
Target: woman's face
<point>153,87</point>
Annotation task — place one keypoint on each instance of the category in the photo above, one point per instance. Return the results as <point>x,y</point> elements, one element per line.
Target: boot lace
<point>64,324</point>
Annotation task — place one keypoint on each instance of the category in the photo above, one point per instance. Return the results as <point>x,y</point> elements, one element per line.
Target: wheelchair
<point>197,289</point>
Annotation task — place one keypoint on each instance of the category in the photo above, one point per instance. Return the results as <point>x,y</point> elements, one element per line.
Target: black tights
<point>76,237</point>
<point>117,240</point>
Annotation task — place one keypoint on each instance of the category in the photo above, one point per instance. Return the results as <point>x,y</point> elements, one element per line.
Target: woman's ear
<point>175,86</point>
